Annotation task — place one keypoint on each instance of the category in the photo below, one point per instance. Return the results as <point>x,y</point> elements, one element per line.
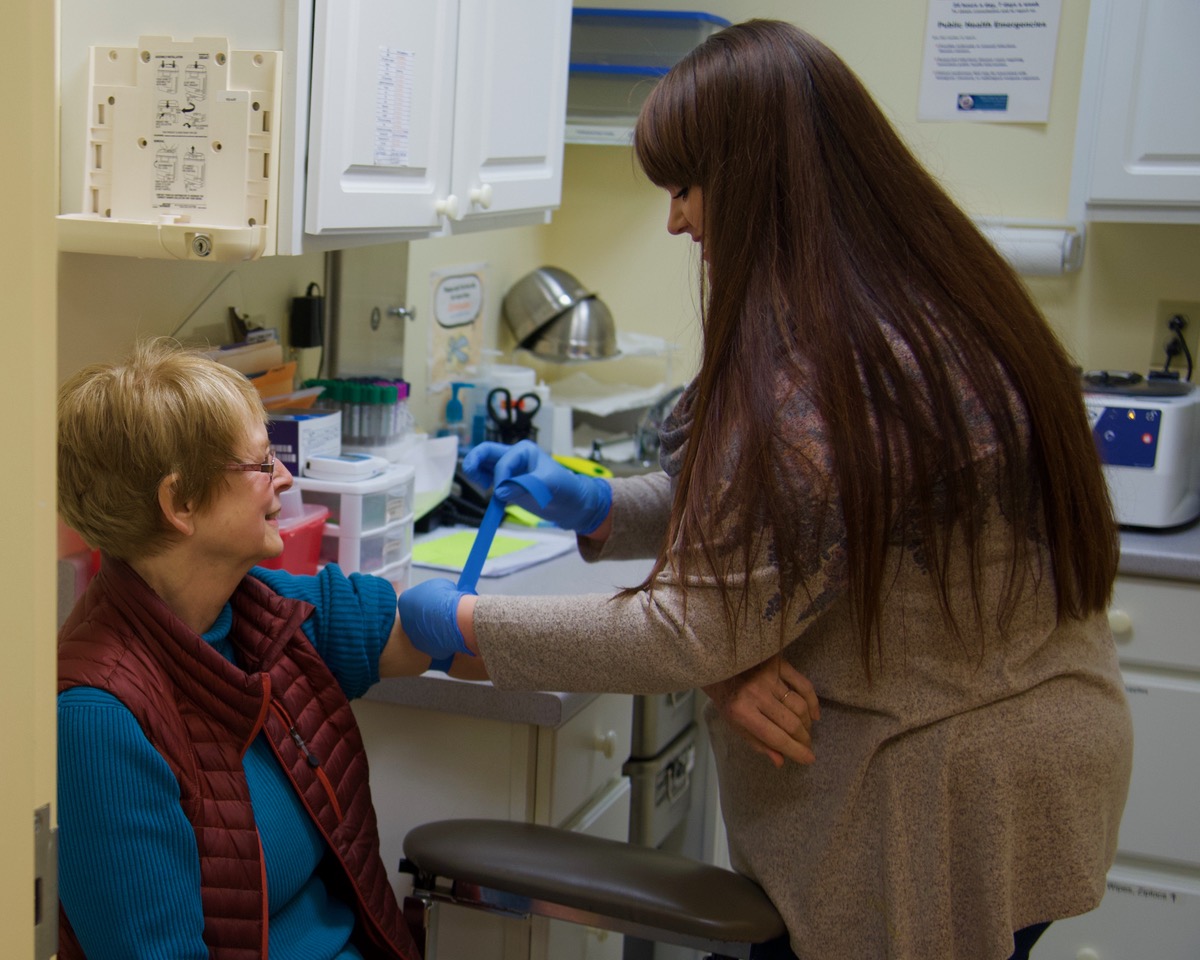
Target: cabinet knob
<point>1120,622</point>
<point>482,195</point>
<point>448,207</point>
<point>1087,953</point>
<point>607,744</point>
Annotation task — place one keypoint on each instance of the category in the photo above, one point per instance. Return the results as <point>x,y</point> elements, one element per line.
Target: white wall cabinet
<point>435,115</point>
<point>1152,904</point>
<point>395,121</point>
<point>1137,153</point>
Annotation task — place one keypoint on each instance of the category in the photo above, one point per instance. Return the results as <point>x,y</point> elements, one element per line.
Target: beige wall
<point>611,228</point>
<point>27,563</point>
<point>105,303</point>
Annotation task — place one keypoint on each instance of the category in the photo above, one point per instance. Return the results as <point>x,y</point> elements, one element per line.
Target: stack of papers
<point>448,548</point>
<point>249,358</point>
<point>261,360</point>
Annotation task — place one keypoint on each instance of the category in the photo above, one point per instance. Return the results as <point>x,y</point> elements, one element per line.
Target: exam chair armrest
<point>638,887</point>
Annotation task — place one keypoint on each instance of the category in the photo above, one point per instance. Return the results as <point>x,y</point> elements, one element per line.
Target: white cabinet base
<point>607,817</point>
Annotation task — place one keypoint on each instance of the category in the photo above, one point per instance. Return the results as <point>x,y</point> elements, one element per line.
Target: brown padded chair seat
<point>607,877</point>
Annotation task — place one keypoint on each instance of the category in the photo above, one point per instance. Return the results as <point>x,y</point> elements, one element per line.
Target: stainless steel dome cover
<point>584,332</point>
<point>537,298</point>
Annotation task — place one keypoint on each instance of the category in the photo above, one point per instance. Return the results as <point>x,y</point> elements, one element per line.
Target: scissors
<point>512,419</point>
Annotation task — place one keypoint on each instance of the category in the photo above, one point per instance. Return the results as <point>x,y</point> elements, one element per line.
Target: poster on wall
<point>456,335</point>
<point>989,61</point>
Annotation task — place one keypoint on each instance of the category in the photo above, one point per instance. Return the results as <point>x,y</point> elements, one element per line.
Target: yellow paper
<point>452,550</point>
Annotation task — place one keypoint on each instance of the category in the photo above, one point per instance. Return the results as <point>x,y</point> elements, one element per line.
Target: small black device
<point>307,324</point>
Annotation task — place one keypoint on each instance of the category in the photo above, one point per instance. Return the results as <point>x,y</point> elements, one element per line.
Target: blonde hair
<point>124,427</point>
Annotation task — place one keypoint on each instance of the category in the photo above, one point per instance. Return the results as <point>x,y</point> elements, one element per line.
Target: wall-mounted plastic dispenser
<point>182,152</point>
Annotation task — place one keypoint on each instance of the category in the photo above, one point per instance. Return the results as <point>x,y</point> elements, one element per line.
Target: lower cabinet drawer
<point>1162,813</point>
<point>583,755</point>
<point>1154,622</point>
<point>658,719</point>
<point>662,790</point>
<point>1143,916</point>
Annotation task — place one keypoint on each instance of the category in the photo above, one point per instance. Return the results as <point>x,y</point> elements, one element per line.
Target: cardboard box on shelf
<point>297,435</point>
<point>276,381</point>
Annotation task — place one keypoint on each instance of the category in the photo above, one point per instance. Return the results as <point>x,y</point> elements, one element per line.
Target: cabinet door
<point>511,95</point>
<point>1161,812</point>
<point>381,116</point>
<point>1144,124</point>
<point>1154,623</point>
<point>579,759</point>
<point>1143,916</point>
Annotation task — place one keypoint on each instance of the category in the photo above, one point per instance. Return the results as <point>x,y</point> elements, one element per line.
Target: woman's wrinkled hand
<point>772,706</point>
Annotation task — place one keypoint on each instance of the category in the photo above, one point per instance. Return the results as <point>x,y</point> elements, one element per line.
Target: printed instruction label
<point>181,129</point>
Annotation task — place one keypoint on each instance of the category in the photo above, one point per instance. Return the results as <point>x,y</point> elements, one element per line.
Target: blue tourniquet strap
<point>469,578</point>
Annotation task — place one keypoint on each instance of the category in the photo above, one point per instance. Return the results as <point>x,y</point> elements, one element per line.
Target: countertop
<point>1170,554</point>
<point>564,574</point>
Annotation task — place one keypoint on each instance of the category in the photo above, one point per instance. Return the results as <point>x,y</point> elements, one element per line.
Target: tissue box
<point>297,435</point>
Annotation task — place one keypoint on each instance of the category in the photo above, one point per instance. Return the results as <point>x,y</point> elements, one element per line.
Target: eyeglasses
<point>267,466</point>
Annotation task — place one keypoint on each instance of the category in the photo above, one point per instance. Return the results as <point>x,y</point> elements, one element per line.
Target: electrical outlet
<point>1164,335</point>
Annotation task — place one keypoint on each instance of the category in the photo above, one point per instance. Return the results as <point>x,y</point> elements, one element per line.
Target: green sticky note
<point>525,518</point>
<point>452,550</point>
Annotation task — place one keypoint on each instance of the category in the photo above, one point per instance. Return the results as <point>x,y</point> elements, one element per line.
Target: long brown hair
<point>823,237</point>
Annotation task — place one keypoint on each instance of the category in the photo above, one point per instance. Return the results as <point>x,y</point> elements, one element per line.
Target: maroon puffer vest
<point>202,712</point>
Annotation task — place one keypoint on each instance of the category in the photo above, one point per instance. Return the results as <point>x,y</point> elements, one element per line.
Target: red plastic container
<point>301,540</point>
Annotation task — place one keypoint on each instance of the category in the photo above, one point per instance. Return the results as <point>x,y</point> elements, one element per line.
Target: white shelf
<point>585,393</point>
<point>614,134</point>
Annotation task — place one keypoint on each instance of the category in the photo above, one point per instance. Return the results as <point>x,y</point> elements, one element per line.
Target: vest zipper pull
<point>299,741</point>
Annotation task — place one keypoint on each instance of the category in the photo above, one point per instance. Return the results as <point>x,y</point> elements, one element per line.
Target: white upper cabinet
<point>382,115</point>
<point>512,86</point>
<point>381,121</point>
<point>428,116</point>
<point>1137,154</point>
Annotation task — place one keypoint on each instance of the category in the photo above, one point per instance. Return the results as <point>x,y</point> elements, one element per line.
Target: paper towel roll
<point>1037,251</point>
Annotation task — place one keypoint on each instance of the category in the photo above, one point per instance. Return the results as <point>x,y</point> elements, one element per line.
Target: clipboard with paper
<point>487,552</point>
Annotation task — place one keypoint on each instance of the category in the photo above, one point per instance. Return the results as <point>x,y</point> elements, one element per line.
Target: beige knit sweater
<point>963,794</point>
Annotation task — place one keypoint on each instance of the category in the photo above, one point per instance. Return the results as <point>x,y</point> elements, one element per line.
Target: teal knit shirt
<point>129,870</point>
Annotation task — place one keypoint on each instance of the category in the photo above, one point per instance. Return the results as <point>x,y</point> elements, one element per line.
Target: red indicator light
<point>1147,438</point>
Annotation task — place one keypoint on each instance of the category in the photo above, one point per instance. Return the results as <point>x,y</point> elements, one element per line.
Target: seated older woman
<point>213,796</point>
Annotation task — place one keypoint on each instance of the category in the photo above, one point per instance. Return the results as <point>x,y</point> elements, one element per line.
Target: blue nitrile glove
<point>576,502</point>
<point>429,615</point>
